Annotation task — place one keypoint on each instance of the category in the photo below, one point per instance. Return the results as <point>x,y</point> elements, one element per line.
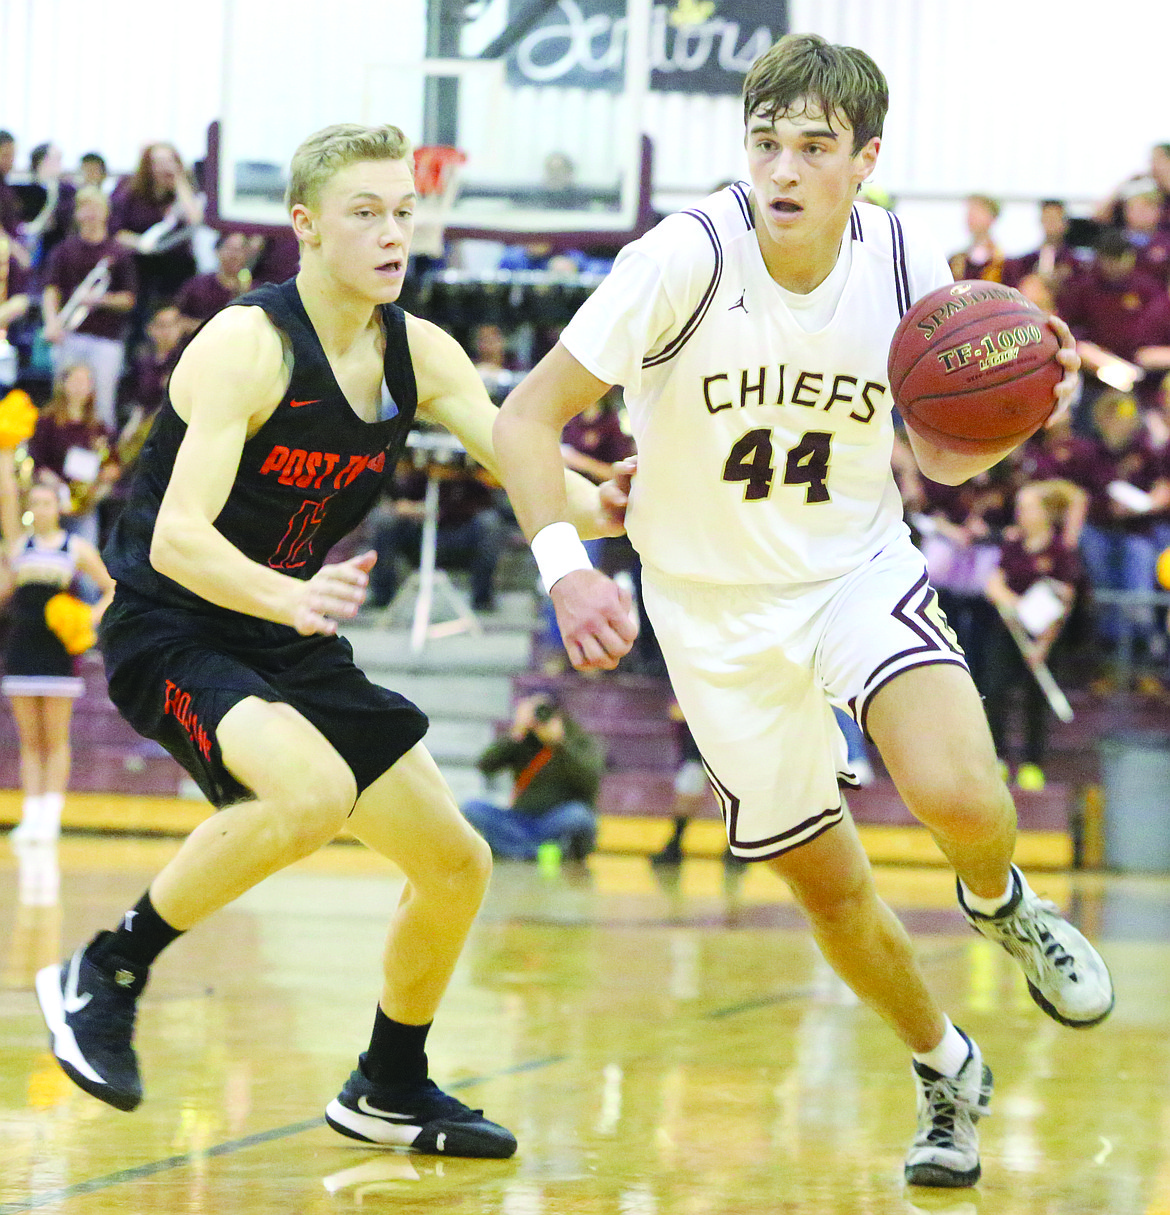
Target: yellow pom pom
<point>1163,569</point>
<point>18,418</point>
<point>71,621</point>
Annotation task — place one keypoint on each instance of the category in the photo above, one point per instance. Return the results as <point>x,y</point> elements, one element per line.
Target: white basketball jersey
<point>763,450</point>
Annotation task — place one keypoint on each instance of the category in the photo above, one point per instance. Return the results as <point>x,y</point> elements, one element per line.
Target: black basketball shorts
<point>174,674</point>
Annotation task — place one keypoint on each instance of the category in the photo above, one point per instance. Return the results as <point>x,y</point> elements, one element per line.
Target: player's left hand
<point>614,495</point>
<point>1068,358</point>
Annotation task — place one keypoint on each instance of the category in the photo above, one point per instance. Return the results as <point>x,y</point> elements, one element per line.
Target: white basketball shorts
<point>757,669</point>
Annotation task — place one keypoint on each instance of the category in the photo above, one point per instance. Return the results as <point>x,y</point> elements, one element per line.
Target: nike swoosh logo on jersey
<point>70,1000</point>
<point>298,404</point>
<point>373,1111</point>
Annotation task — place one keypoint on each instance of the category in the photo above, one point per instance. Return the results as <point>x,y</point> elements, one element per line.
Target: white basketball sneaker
<point>1067,977</point>
<point>945,1152</point>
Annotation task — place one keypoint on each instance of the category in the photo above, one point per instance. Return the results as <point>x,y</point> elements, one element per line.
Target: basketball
<point>973,366</point>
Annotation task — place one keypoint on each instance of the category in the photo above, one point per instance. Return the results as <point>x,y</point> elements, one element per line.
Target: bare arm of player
<point>950,468</point>
<point>226,385</point>
<point>451,393</point>
<point>593,613</point>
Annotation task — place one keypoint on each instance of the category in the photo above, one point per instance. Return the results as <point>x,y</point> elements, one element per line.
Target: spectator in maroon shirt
<point>14,294</point>
<point>1119,550</point>
<point>960,528</point>
<point>70,450</point>
<point>1160,172</point>
<point>1030,553</point>
<point>145,391</point>
<point>1110,211</point>
<point>99,339</point>
<point>153,364</point>
<point>1115,313</point>
<point>201,297</point>
<point>50,200</point>
<point>1055,260</point>
<point>1142,211</point>
<point>982,258</point>
<point>1056,453</point>
<point>594,441</point>
<point>91,171</point>
<point>10,208</point>
<point>279,258</point>
<point>153,213</point>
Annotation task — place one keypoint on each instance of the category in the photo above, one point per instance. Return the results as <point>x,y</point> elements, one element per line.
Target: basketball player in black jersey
<point>286,416</point>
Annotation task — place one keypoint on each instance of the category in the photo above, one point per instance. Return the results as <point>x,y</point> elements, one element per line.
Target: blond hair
<point>90,194</point>
<point>326,152</point>
<point>1057,496</point>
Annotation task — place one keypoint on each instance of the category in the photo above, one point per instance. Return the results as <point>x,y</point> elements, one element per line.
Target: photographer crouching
<point>556,769</point>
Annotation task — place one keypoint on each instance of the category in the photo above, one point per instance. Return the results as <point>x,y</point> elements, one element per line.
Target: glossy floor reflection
<point>660,1047</point>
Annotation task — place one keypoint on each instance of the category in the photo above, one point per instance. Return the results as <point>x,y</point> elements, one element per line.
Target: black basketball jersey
<point>306,478</point>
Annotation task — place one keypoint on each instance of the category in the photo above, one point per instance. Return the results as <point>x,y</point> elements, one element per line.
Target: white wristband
<point>558,551</point>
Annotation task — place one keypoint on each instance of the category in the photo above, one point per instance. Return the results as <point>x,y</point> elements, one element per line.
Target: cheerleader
<point>48,629</point>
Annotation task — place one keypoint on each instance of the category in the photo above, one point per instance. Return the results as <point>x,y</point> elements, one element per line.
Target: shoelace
<point>1026,929</point>
<point>945,1105</point>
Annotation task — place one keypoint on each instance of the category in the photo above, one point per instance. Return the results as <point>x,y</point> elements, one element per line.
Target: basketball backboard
<point>540,157</point>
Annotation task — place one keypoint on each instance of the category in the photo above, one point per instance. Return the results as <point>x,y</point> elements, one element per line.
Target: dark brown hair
<point>144,183</point>
<point>840,79</point>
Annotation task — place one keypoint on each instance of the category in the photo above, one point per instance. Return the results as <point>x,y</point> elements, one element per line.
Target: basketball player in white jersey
<point>750,334</point>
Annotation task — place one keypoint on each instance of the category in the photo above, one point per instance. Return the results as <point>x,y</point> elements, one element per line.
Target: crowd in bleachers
<point>105,281</point>
<point>1083,506</point>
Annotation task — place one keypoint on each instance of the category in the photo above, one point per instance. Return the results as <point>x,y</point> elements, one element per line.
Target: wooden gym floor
<point>660,1044</point>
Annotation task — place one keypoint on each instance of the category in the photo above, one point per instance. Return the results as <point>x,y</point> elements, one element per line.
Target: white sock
<point>949,1055</point>
<point>30,815</point>
<point>50,822</point>
<point>991,906</point>
<point>39,880</point>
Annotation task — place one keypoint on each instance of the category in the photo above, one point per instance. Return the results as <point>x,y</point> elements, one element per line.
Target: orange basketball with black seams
<point>973,367</point>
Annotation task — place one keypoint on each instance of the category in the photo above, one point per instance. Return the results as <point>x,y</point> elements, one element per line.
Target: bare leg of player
<point>410,816</point>
<point>859,935</point>
<point>932,733</point>
<point>305,795</point>
<point>929,725</point>
<point>867,946</point>
<point>304,791</point>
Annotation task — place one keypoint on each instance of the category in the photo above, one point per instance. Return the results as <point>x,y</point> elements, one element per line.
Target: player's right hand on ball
<point>596,619</point>
<point>335,592</point>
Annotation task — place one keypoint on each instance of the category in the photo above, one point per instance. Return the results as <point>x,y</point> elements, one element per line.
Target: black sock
<point>397,1053</point>
<point>142,935</point>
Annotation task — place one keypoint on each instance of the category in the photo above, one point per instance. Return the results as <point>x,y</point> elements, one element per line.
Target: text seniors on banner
<point>693,48</point>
